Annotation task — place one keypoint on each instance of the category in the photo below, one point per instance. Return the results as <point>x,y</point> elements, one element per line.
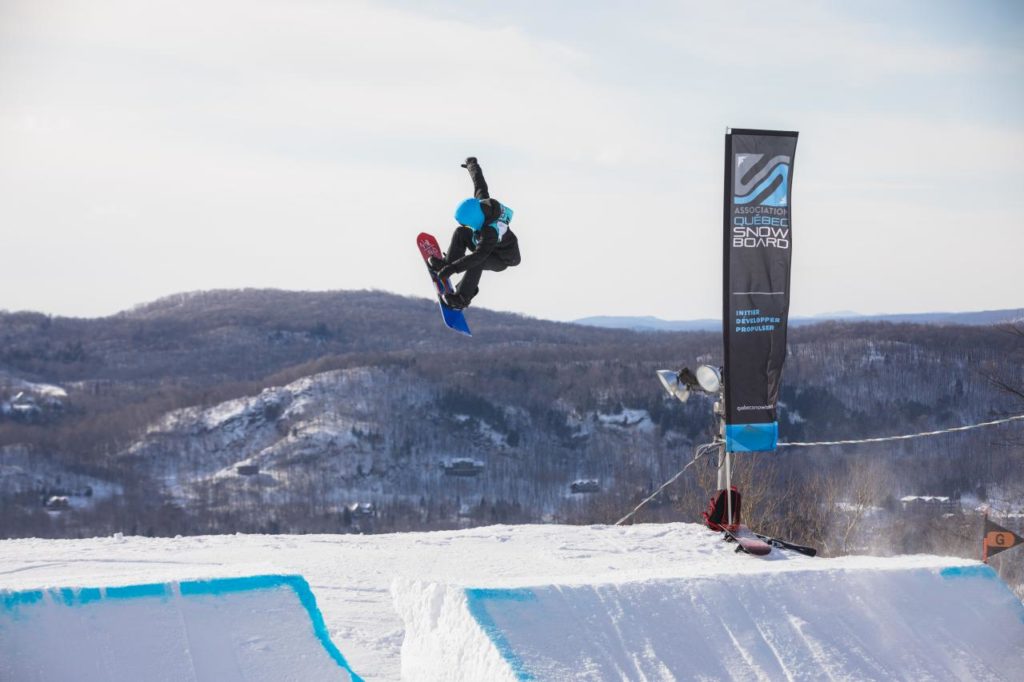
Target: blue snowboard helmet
<point>470,214</point>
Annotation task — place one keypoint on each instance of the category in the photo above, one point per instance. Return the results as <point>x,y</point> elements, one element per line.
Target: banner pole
<point>728,485</point>
<point>984,539</point>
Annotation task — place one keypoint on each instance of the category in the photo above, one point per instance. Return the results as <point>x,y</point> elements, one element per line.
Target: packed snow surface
<point>645,602</point>
<point>261,628</point>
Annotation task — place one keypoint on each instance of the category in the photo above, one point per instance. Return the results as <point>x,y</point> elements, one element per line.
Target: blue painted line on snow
<point>983,572</point>
<point>138,591</point>
<point>69,596</point>
<point>298,584</point>
<point>220,586</point>
<point>977,571</point>
<point>88,595</point>
<point>476,599</point>
<point>301,587</point>
<point>13,601</point>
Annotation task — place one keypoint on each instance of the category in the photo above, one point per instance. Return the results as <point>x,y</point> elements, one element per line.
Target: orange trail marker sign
<point>998,539</point>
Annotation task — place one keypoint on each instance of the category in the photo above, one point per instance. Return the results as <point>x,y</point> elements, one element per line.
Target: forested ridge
<point>355,397</point>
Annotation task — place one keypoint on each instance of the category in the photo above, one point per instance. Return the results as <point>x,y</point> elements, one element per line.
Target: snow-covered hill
<point>338,420</point>
<point>263,411</point>
<point>373,436</point>
<point>655,602</point>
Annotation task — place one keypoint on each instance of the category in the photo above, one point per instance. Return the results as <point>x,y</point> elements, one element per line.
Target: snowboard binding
<point>436,264</point>
<point>455,300</point>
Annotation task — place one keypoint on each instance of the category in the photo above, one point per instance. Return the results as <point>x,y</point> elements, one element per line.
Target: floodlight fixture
<point>672,385</point>
<point>679,384</point>
<point>709,378</point>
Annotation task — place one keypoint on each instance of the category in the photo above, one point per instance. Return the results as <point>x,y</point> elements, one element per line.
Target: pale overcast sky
<point>149,148</point>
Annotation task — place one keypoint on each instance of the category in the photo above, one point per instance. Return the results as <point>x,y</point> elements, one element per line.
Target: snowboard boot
<point>435,264</point>
<point>456,301</point>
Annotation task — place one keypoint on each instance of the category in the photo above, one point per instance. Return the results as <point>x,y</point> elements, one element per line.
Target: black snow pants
<point>498,259</point>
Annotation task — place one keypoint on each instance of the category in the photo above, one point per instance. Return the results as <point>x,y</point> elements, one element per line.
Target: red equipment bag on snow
<point>718,510</point>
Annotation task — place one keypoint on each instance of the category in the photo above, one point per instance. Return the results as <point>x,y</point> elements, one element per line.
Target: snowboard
<point>454,319</point>
<point>785,544</point>
<point>747,541</point>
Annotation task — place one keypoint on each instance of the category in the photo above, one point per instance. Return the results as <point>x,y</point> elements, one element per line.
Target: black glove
<point>445,272</point>
<point>469,160</point>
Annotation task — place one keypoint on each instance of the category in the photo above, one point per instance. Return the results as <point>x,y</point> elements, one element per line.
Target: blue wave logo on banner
<point>761,184</point>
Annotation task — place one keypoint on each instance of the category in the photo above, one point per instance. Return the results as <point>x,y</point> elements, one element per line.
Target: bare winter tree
<point>864,490</point>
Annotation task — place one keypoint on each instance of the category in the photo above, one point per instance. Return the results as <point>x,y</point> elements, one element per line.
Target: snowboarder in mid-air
<point>483,231</point>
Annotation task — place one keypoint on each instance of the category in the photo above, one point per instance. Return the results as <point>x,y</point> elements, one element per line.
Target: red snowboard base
<point>454,319</point>
<point>747,541</point>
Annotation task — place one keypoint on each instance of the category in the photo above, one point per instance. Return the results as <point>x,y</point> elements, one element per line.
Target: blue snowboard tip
<point>455,319</point>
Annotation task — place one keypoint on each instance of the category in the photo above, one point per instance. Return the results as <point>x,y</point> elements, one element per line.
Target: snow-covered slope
<point>371,435</point>
<point>333,419</point>
<point>264,628</point>
<point>636,601</point>
<point>861,623</point>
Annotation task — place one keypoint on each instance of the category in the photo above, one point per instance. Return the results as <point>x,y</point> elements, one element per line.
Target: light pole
<point>708,379</point>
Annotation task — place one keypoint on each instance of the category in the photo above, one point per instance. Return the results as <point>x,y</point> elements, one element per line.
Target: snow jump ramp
<point>254,628</point>
<point>883,622</point>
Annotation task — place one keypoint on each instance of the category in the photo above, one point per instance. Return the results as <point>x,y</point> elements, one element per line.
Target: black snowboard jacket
<point>487,241</point>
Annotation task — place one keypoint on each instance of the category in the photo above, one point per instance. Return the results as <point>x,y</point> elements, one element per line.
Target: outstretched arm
<point>479,184</point>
